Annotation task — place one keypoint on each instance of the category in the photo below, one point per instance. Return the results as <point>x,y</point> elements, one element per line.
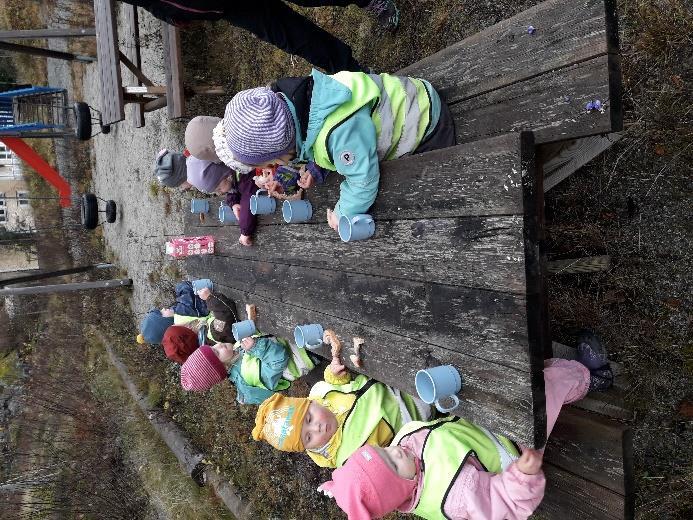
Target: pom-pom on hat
<point>154,325</point>
<point>202,370</point>
<point>179,342</point>
<point>170,169</point>
<point>279,420</point>
<point>198,137</point>
<point>366,487</point>
<point>258,126</point>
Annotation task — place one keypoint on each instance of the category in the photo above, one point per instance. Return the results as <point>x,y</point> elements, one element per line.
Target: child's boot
<point>592,354</point>
<point>386,12</point>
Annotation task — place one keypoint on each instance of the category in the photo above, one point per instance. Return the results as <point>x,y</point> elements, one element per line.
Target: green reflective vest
<point>374,402</point>
<point>299,365</point>
<point>402,113</point>
<point>446,449</point>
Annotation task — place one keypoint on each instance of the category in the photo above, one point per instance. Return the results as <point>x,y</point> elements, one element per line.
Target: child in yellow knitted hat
<point>340,415</point>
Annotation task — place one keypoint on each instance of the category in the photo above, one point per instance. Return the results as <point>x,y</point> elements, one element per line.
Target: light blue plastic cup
<point>436,383</point>
<point>226,215</point>
<point>297,211</point>
<point>358,227</point>
<point>199,206</point>
<point>308,336</point>
<point>197,285</point>
<point>243,329</point>
<point>262,204</point>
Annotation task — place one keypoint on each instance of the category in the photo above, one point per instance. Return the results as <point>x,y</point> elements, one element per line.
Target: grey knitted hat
<point>170,169</point>
<point>258,126</point>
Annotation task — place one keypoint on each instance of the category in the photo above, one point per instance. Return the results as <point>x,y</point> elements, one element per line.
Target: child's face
<point>401,461</point>
<point>224,186</point>
<point>224,352</point>
<point>319,425</point>
<point>282,159</point>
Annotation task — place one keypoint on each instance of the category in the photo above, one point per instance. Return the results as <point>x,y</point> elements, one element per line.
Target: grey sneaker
<point>386,12</point>
<point>592,354</point>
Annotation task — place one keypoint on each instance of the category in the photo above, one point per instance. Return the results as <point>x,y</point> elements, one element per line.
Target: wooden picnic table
<point>138,89</point>
<point>453,275</point>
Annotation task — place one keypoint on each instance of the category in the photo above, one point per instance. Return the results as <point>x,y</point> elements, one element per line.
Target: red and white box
<point>190,246</point>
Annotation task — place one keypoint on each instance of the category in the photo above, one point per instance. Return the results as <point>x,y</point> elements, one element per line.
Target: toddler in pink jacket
<point>451,468</point>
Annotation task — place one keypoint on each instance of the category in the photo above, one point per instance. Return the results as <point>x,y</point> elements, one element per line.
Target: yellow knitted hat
<point>279,420</point>
<point>140,339</point>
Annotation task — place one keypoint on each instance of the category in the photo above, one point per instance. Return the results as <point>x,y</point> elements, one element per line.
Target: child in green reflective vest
<point>346,122</point>
<point>340,415</point>
<point>258,366</point>
<point>451,468</point>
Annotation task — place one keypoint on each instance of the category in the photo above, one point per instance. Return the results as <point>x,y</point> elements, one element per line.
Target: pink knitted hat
<point>366,487</point>
<point>202,370</point>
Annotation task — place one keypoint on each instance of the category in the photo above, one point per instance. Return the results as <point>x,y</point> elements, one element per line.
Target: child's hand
<point>236,208</point>
<point>167,313</point>
<point>530,461</point>
<point>204,293</point>
<point>336,367</point>
<point>245,240</point>
<point>247,343</point>
<point>332,219</point>
<point>306,180</point>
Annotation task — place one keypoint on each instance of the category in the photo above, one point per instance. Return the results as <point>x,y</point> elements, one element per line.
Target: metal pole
<point>38,51</point>
<point>65,287</point>
<point>51,274</point>
<point>31,34</point>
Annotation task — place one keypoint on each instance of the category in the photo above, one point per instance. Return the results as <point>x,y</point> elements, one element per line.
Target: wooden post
<point>51,274</point>
<point>38,51</point>
<point>65,287</point>
<point>32,34</point>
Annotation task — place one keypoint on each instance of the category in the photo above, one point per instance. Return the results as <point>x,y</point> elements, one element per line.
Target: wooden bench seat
<point>504,79</point>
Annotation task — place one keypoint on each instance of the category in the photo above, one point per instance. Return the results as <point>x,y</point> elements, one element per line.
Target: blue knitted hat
<point>154,326</point>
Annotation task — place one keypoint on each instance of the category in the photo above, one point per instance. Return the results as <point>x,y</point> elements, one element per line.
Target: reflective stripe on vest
<point>373,403</point>
<point>299,362</point>
<point>446,449</point>
<point>401,113</point>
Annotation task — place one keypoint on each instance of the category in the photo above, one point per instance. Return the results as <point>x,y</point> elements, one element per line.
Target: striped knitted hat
<point>258,126</point>
<point>202,370</point>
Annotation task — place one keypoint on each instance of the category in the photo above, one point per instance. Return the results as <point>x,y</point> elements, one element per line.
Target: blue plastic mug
<point>308,336</point>
<point>358,227</point>
<point>197,285</point>
<point>262,204</point>
<point>199,206</point>
<point>297,211</point>
<point>226,215</point>
<point>243,329</point>
<point>436,383</point>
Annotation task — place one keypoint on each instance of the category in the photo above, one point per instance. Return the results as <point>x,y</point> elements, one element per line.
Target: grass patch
<point>10,372</point>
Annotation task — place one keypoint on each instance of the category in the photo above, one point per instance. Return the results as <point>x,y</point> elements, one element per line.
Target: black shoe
<point>386,12</point>
<point>592,354</point>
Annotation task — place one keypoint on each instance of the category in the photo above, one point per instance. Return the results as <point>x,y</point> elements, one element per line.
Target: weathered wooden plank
<point>173,62</point>
<point>483,252</point>
<point>573,155</point>
<point>484,324</point>
<point>113,106</point>
<point>495,396</point>
<point>505,53</point>
<point>587,264</point>
<point>569,496</point>
<point>131,33</point>
<point>552,105</point>
<point>589,446</point>
<point>481,178</point>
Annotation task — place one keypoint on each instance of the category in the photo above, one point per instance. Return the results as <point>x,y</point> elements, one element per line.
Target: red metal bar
<point>33,159</point>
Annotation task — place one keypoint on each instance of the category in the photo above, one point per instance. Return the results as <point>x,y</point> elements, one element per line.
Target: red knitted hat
<point>179,342</point>
<point>366,487</point>
<point>202,370</point>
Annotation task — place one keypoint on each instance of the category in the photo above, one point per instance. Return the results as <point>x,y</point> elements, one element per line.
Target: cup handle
<point>442,409</point>
<point>314,345</point>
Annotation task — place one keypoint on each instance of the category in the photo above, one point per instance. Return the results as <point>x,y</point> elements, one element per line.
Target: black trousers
<point>272,21</point>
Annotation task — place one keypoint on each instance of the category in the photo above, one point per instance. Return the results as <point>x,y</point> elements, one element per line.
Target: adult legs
<point>276,23</point>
